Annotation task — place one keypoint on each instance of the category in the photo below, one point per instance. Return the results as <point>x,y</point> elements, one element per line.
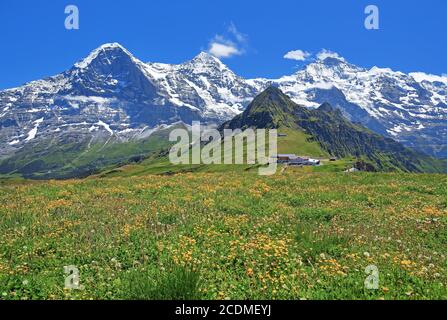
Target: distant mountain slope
<point>74,156</point>
<point>333,132</point>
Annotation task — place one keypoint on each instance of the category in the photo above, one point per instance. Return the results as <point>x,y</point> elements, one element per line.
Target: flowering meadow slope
<point>295,235</point>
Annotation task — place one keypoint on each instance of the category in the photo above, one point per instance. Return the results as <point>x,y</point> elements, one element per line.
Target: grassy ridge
<point>226,235</point>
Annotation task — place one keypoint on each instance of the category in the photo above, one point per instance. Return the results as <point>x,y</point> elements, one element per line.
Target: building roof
<point>286,155</point>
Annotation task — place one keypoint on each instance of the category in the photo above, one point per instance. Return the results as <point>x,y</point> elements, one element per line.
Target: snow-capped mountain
<point>113,94</point>
<point>204,84</point>
<point>410,108</point>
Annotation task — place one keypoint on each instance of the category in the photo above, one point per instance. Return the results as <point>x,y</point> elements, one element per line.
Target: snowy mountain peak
<point>332,61</point>
<point>326,70</point>
<point>330,64</point>
<point>112,46</point>
<point>205,62</point>
<point>206,57</point>
<point>108,49</point>
<point>109,71</point>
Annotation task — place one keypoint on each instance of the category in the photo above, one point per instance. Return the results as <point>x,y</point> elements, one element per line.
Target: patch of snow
<point>33,132</point>
<point>420,77</point>
<point>105,126</point>
<point>127,130</point>
<point>39,121</point>
<point>33,110</point>
<point>14,142</point>
<point>85,99</point>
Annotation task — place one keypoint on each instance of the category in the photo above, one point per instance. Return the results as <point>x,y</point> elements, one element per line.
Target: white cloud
<point>232,44</point>
<point>298,55</point>
<point>240,37</point>
<point>323,54</point>
<point>222,50</point>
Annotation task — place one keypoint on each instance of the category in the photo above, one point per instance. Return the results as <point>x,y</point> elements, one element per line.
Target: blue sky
<point>35,43</point>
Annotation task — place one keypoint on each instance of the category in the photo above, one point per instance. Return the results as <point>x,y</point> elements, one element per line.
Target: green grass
<point>180,283</point>
<point>228,234</point>
<point>297,142</point>
<point>313,247</point>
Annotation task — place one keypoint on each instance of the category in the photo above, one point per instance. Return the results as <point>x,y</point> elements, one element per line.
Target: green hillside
<point>73,156</point>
